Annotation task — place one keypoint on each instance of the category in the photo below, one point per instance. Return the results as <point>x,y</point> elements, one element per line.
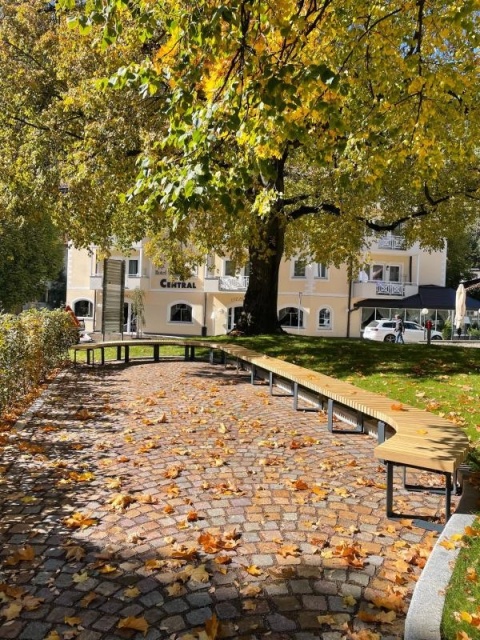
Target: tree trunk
<point>260,304</point>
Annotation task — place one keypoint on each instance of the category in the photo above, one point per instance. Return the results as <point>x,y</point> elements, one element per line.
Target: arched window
<point>180,312</point>
<point>83,309</point>
<point>291,317</point>
<point>325,318</point>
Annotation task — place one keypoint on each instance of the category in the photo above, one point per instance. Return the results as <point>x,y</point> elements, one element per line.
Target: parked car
<point>384,331</point>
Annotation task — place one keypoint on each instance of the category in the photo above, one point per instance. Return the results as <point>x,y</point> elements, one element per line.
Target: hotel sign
<point>179,284</point>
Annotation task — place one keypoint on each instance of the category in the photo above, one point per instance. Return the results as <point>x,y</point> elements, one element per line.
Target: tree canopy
<point>258,128</point>
<point>31,254</point>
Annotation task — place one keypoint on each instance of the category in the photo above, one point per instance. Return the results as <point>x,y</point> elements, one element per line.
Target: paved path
<point>171,496</point>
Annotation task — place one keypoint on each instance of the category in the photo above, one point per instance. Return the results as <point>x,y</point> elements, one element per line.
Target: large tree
<point>32,254</point>
<point>263,128</point>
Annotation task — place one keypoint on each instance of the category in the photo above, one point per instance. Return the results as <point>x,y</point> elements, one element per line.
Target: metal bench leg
<point>330,414</point>
<point>252,374</point>
<point>89,352</point>
<point>389,489</point>
<point>119,352</point>
<point>381,431</point>
<point>127,354</point>
<point>270,382</point>
<point>295,396</point>
<point>156,352</point>
<point>102,356</point>
<point>360,427</point>
<point>448,496</point>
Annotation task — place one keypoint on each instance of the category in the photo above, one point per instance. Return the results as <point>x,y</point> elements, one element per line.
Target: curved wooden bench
<point>421,440</point>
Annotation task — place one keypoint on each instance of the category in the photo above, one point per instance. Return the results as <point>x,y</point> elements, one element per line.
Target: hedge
<point>32,345</point>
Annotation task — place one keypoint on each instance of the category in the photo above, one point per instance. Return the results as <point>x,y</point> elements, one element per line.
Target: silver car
<point>384,331</point>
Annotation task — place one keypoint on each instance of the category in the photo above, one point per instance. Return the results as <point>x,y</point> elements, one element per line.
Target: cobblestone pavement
<point>176,500</point>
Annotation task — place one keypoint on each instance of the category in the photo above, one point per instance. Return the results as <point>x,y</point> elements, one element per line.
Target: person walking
<point>399,329</point>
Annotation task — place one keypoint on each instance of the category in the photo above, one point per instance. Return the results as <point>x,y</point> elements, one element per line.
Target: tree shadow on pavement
<point>155,500</point>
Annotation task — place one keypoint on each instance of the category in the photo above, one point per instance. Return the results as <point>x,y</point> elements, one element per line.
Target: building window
<point>291,317</point>
<point>376,271</point>
<point>321,271</point>
<point>83,309</point>
<point>299,268</point>
<point>181,313</point>
<point>229,268</point>
<point>210,266</point>
<point>325,318</point>
<point>393,273</point>
<point>133,267</point>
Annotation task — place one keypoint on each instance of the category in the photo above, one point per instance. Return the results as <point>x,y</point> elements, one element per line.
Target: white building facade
<point>313,299</point>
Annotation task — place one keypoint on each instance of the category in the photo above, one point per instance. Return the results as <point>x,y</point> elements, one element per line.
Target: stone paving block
<point>252,491</point>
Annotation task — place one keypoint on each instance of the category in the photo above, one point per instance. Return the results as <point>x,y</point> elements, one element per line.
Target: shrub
<point>447,330</point>
<point>32,345</point>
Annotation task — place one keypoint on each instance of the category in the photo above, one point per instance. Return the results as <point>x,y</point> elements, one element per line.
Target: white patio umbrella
<point>460,305</point>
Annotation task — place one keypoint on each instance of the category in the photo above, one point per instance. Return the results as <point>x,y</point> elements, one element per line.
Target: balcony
<point>96,282</point>
<point>390,289</point>
<point>131,282</point>
<point>226,283</point>
<point>392,243</point>
<point>233,283</point>
<point>377,288</point>
<point>137,282</point>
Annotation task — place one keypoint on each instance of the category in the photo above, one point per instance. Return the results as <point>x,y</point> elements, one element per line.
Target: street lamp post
<point>299,309</point>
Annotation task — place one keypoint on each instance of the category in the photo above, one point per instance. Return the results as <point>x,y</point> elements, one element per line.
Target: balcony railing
<point>390,289</point>
<point>233,283</point>
<point>391,242</point>
<point>380,288</point>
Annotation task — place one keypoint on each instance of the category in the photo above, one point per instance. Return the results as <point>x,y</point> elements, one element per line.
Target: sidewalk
<point>153,500</point>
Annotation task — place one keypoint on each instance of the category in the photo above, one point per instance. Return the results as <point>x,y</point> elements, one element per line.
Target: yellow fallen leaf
<point>30,603</point>
<point>79,521</point>
<point>176,589</point>
<point>447,544</point>
<point>131,592</point>
<point>253,570</point>
<point>200,574</point>
<point>80,577</point>
<point>114,483</point>
<point>138,624</point>
<point>108,568</point>
<point>289,550</point>
<point>212,627</point>
<point>88,598</point>
<point>74,552</point>
<point>121,501</point>
<point>53,635</point>
<point>327,619</point>
<point>11,611</point>
<point>72,621</point>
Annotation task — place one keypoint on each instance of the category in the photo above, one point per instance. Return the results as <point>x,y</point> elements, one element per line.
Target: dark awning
<point>428,297</point>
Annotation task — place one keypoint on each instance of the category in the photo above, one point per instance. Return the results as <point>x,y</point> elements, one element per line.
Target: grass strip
<point>461,612</point>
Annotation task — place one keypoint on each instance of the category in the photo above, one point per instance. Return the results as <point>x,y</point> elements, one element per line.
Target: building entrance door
<point>233,317</point>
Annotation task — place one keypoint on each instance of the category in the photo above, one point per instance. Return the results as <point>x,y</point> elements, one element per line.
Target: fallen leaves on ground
<point>131,622</point>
